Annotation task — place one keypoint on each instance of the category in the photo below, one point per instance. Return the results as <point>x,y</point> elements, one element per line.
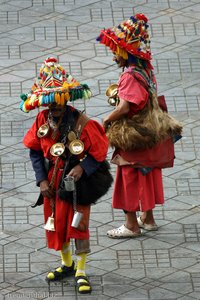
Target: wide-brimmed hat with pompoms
<point>53,85</point>
<point>131,36</point>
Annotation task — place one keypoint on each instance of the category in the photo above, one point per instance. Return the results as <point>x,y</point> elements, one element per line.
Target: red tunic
<point>134,191</point>
<point>95,144</point>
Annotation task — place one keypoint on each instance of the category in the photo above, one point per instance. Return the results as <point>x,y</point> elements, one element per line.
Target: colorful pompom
<point>23,97</point>
<point>52,85</point>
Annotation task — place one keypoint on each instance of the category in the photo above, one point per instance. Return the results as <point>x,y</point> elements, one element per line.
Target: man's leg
<point>67,268</point>
<point>129,230</point>
<point>147,222</point>
<point>82,282</point>
<point>147,217</point>
<point>131,222</point>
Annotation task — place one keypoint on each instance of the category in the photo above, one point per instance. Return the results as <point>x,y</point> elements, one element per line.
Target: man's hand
<point>76,172</point>
<point>119,112</point>
<point>106,123</point>
<point>46,190</point>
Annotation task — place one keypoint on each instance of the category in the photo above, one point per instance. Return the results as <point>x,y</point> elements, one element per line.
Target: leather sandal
<point>148,227</point>
<point>82,281</point>
<point>122,232</point>
<point>64,272</point>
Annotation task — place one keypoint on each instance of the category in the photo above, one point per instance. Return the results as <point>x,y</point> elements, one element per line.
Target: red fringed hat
<point>130,36</point>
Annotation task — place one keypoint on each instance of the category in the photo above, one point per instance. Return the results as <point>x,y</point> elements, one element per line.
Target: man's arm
<point>120,111</point>
<point>38,163</point>
<point>89,164</point>
<point>41,174</point>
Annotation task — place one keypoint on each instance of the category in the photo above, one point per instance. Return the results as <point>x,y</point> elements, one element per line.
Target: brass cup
<point>71,136</point>
<point>76,147</point>
<point>43,130</point>
<point>57,149</point>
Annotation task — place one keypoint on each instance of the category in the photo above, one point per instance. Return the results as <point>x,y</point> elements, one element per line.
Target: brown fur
<point>145,129</point>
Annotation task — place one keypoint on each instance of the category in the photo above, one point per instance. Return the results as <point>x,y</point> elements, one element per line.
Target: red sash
<point>161,156</point>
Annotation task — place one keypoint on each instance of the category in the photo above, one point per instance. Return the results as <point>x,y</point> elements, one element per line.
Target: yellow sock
<point>66,255</point>
<point>81,262</point>
<point>66,260</point>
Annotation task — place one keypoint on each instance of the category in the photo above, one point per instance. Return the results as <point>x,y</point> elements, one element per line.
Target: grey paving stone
<point>161,293</point>
<point>161,265</point>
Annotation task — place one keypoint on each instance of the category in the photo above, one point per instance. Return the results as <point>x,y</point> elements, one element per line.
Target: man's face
<point>56,110</point>
<point>120,61</point>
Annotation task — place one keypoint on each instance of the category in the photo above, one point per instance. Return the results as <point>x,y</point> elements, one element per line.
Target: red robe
<point>134,191</point>
<point>95,144</point>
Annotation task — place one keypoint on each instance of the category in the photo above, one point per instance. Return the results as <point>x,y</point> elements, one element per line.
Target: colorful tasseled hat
<point>53,85</point>
<point>131,36</point>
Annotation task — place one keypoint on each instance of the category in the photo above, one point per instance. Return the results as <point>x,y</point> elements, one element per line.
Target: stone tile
<point>137,293</point>
<point>158,265</point>
<point>161,293</point>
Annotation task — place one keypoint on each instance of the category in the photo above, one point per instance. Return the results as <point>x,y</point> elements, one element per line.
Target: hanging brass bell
<point>76,147</point>
<point>57,149</point>
<point>43,130</point>
<point>112,90</point>
<point>50,224</point>
<point>112,101</point>
<point>112,94</point>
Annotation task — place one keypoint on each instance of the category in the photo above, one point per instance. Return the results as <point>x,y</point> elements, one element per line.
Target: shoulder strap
<point>150,86</point>
<point>81,122</point>
<point>148,81</point>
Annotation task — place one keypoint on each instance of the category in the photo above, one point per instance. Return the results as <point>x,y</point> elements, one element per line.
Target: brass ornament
<point>43,130</point>
<point>112,90</point>
<point>76,147</point>
<point>113,101</point>
<point>71,136</point>
<point>57,149</point>
<point>112,94</point>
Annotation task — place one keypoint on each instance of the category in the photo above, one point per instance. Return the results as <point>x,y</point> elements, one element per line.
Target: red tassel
<point>107,42</point>
<point>141,17</point>
<point>51,59</point>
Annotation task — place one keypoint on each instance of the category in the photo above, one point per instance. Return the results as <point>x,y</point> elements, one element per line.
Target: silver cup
<point>76,219</point>
<point>69,183</point>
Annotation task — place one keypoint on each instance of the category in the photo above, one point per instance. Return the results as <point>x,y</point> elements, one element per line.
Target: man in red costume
<point>136,189</point>
<point>56,131</point>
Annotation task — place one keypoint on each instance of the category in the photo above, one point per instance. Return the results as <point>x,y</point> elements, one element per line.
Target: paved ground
<point>162,265</point>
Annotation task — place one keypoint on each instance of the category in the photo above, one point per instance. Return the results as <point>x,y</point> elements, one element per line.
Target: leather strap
<point>80,124</point>
<point>161,99</point>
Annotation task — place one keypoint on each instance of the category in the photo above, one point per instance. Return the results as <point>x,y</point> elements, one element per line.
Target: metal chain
<point>74,198</point>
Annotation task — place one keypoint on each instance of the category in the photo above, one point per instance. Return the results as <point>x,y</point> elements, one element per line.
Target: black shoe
<point>66,272</point>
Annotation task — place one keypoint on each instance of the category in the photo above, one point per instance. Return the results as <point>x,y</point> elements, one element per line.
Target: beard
<point>121,63</point>
<point>56,112</point>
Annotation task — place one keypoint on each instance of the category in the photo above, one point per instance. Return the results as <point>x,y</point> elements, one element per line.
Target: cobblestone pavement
<point>159,265</point>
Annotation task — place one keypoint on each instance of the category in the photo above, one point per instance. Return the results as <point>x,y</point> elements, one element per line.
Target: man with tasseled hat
<point>139,128</point>
<point>67,149</point>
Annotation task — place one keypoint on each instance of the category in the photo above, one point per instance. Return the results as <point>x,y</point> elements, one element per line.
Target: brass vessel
<point>71,136</point>
<point>76,147</point>
<point>57,149</point>
<point>43,130</point>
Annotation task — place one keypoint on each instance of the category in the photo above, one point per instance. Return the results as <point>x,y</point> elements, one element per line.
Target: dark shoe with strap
<point>61,273</point>
<point>83,285</point>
